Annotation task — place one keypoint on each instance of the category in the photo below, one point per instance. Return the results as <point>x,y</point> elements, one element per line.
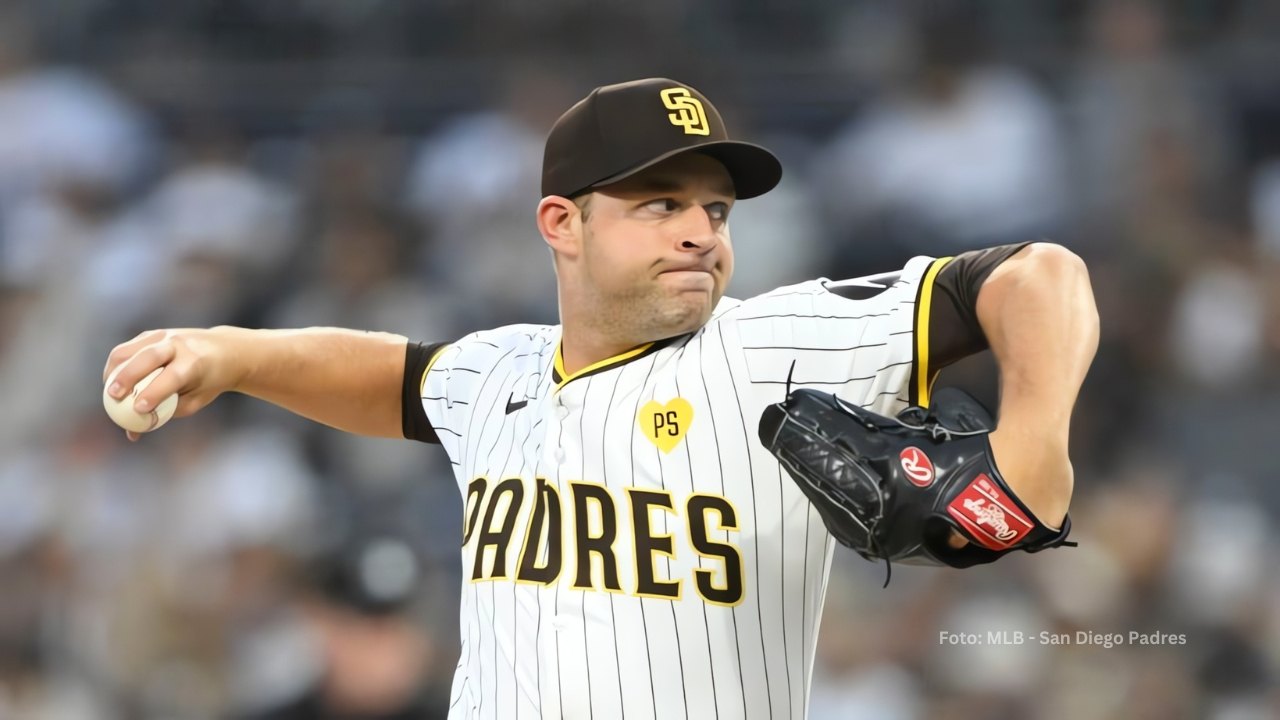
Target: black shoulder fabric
<point>413,419</point>
<point>954,331</point>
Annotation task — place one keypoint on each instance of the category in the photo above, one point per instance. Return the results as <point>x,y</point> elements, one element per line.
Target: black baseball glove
<point>893,489</point>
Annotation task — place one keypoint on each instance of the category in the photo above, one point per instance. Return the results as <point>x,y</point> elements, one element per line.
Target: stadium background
<point>374,164</point>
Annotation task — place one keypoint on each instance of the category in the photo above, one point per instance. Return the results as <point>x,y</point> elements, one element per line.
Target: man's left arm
<point>1037,312</point>
<point>953,482</point>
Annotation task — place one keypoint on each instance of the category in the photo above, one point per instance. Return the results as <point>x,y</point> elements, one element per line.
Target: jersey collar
<point>561,378</point>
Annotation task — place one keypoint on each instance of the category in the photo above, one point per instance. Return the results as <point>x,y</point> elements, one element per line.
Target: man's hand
<point>347,379</point>
<point>199,365</point>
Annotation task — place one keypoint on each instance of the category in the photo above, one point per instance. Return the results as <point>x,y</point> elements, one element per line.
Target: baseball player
<point>631,548</point>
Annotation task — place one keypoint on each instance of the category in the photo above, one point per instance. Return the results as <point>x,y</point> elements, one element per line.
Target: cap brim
<point>754,170</point>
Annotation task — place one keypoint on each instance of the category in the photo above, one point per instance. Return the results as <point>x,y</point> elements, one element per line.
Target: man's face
<point>656,256</point>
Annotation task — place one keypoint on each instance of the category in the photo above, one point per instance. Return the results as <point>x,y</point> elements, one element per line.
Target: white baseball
<point>122,413</point>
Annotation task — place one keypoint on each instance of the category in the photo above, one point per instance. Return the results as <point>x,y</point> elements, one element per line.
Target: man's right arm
<point>347,379</point>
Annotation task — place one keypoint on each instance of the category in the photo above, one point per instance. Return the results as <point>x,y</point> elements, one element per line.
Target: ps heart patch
<point>665,425</point>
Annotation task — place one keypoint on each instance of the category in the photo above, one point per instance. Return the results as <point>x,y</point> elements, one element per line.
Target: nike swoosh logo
<point>514,406</point>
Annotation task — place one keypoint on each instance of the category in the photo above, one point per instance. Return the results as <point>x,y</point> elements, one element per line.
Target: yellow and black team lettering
<point>730,592</point>
<point>471,508</point>
<point>665,425</point>
<point>499,539</point>
<point>594,533</point>
<point>689,113</point>
<point>647,543</point>
<point>667,422</point>
<point>587,544</point>
<point>546,521</point>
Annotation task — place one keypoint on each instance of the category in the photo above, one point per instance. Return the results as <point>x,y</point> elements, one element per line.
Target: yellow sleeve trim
<point>422,383</point>
<point>924,383</point>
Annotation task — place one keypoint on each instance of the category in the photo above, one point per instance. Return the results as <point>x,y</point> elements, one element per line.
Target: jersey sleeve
<point>876,341</point>
<point>448,386</point>
<point>418,359</point>
<point>439,388</point>
<point>954,331</point>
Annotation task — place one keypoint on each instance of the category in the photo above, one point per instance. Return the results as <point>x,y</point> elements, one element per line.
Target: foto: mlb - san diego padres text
<point>1044,637</point>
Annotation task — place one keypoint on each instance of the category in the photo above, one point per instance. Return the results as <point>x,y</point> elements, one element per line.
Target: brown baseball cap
<point>619,130</point>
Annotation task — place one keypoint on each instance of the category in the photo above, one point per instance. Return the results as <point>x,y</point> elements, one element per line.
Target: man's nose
<point>700,231</point>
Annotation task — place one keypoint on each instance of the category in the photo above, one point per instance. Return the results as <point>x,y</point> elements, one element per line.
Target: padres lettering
<point>688,111</point>
<point>492,515</point>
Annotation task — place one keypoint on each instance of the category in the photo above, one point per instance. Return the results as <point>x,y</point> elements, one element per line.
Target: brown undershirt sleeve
<point>949,304</point>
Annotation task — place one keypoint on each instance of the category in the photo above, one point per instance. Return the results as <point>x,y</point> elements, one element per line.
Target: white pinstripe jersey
<point>630,548</point>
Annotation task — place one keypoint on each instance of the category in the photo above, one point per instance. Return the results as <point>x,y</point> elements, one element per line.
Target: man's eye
<point>718,211</point>
<point>665,205</point>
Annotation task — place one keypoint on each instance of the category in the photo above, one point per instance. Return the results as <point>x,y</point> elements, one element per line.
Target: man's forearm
<point>1038,313</point>
<point>347,379</point>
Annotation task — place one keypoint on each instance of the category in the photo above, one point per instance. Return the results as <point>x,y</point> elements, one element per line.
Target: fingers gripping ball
<point>122,413</point>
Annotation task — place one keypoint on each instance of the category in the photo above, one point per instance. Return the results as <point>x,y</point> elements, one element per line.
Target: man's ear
<point>560,222</point>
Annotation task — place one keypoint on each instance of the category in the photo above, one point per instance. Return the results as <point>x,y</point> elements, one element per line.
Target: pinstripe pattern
<point>720,562</point>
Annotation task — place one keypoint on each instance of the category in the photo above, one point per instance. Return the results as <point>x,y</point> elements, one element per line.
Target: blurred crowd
<point>375,165</point>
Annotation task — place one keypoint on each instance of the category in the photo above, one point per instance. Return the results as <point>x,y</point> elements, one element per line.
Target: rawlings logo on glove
<point>894,489</point>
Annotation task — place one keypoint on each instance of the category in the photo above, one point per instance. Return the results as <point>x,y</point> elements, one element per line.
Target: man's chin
<point>690,317</point>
